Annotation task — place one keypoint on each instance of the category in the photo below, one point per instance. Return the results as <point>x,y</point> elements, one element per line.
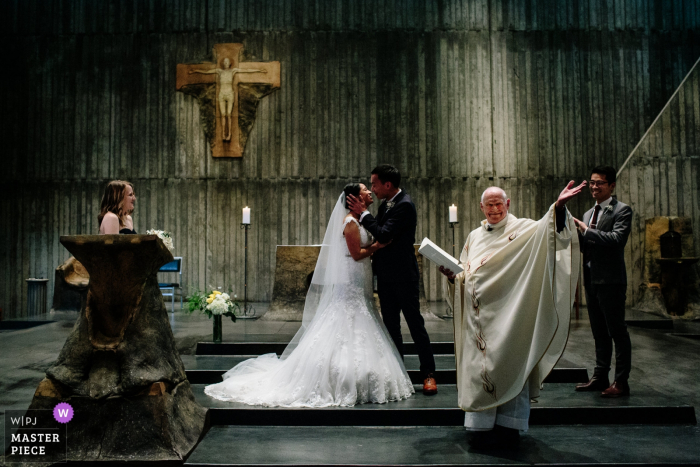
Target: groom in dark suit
<point>396,266</point>
<point>603,234</point>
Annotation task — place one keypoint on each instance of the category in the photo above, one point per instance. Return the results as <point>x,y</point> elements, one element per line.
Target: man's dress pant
<point>395,297</point>
<point>606,312</point>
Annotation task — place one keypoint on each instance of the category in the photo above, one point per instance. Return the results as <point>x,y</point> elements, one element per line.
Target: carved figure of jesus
<point>227,96</point>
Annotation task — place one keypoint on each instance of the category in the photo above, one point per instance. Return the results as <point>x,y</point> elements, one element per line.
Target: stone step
<point>558,375</point>
<point>651,323</point>
<point>558,404</point>
<point>421,445</point>
<point>261,348</point>
<point>226,362</point>
<point>686,335</point>
<point>207,369</point>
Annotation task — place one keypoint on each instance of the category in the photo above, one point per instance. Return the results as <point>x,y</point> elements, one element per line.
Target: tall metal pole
<point>448,311</point>
<point>246,227</point>
<point>245,275</point>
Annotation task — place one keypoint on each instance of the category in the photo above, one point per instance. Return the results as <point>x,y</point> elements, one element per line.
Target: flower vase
<point>218,329</point>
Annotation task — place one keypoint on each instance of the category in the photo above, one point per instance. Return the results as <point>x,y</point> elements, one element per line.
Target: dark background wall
<point>460,95</point>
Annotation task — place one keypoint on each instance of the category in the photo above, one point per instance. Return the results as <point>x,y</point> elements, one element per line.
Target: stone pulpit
<point>70,286</point>
<point>119,368</point>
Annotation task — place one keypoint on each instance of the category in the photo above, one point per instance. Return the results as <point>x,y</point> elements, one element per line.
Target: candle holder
<point>248,311</point>
<point>452,226</point>
<point>448,310</point>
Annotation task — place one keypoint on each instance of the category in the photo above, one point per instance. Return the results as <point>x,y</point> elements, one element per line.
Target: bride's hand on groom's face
<point>356,205</point>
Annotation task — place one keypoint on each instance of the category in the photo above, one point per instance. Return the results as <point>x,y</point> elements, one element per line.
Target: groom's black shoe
<point>429,385</point>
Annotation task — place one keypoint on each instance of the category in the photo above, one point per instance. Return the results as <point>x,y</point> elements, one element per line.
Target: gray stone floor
<point>588,445</point>
<point>662,360</point>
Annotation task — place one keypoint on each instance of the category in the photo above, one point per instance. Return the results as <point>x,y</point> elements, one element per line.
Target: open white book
<point>439,256</point>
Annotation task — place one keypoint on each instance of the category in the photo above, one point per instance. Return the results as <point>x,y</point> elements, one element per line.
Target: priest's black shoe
<point>499,438</point>
<point>595,384</point>
<point>618,389</point>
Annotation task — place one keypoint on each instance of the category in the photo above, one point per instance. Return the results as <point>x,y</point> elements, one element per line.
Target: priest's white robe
<point>512,306</point>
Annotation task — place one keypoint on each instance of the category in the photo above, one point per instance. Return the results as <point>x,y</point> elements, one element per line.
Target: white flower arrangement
<point>218,303</point>
<point>214,303</point>
<point>165,236</point>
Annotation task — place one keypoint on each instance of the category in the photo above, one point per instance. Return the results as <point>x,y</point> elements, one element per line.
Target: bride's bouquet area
<point>167,238</point>
<point>214,304</point>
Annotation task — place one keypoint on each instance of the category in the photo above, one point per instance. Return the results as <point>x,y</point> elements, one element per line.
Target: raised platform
<point>567,427</point>
<point>558,405</point>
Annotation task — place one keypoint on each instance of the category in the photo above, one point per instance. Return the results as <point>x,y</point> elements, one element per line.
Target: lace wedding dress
<point>342,354</point>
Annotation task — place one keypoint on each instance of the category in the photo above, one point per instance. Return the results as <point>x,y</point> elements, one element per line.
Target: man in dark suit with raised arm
<point>396,266</point>
<point>603,234</point>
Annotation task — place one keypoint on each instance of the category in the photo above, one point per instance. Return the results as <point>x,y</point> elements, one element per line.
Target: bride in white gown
<point>342,355</point>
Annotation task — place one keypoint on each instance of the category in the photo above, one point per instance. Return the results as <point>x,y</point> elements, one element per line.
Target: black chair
<point>168,288</point>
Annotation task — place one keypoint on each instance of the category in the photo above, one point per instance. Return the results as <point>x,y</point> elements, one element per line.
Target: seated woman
<point>115,211</point>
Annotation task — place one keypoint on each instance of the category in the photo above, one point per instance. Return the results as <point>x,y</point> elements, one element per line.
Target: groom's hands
<point>356,205</point>
<point>580,226</point>
<point>378,246</point>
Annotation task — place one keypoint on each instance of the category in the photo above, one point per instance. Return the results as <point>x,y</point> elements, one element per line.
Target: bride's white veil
<point>328,274</point>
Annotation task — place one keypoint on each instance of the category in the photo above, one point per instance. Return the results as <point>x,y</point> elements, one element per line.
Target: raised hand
<point>569,192</point>
<point>356,205</point>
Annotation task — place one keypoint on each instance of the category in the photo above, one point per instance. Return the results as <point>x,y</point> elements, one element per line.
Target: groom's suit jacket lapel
<point>382,207</point>
<point>381,211</point>
<point>396,262</point>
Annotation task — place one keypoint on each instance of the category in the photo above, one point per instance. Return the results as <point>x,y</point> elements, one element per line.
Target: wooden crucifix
<point>228,72</point>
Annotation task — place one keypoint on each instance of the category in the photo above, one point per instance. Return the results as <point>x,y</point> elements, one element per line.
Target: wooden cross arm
<point>271,77</point>
<point>184,77</point>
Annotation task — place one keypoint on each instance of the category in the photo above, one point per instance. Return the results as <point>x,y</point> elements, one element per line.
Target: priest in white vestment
<point>512,305</point>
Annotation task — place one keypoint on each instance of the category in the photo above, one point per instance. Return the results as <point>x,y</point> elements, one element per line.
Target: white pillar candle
<point>453,213</point>
<point>246,215</point>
